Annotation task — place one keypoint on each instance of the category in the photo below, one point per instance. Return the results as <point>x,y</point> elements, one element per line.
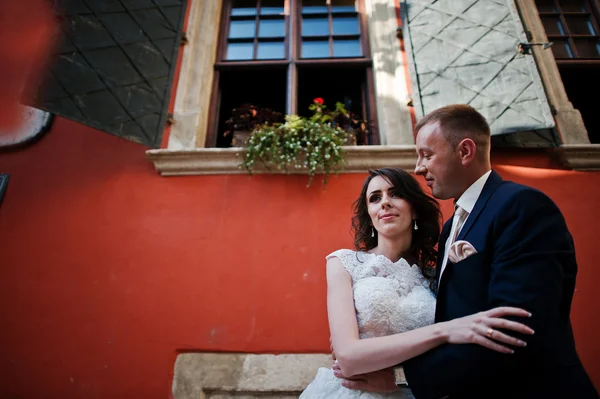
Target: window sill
<point>216,161</point>
<point>579,156</point>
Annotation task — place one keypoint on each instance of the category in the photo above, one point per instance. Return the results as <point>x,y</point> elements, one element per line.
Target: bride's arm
<point>358,356</point>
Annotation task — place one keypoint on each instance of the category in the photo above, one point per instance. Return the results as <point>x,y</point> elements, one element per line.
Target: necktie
<point>460,215</point>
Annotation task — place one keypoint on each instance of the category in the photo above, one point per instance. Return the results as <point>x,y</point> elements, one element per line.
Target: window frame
<point>594,15</point>
<point>293,62</point>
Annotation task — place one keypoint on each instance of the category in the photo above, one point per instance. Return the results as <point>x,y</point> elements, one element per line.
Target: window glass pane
<point>271,28</point>
<point>546,5</point>
<point>343,6</point>
<point>315,49</point>
<point>345,26</point>
<point>243,7</point>
<point>240,51</point>
<point>561,49</point>
<point>553,26</point>
<point>271,7</point>
<point>314,7</point>
<point>580,25</point>
<point>573,5</point>
<point>241,29</point>
<point>315,27</point>
<point>270,51</point>
<point>588,48</point>
<point>346,48</point>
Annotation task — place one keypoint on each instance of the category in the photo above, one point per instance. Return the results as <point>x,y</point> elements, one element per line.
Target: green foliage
<point>311,143</point>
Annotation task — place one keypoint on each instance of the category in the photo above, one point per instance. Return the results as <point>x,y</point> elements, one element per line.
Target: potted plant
<point>311,143</point>
<point>245,119</point>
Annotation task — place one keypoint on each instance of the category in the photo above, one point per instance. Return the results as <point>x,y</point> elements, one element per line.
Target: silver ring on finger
<point>490,333</point>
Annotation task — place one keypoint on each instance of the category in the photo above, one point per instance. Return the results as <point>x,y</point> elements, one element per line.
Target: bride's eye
<point>374,198</point>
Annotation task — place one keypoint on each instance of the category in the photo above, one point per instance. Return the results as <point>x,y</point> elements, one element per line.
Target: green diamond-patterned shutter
<point>465,51</point>
<point>114,64</point>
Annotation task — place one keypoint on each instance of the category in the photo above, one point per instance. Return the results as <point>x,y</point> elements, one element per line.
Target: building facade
<point>145,263</point>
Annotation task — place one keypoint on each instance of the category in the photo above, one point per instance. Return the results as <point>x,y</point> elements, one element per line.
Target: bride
<point>380,305</point>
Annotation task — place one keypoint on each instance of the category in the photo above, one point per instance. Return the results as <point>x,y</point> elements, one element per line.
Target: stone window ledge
<point>579,156</point>
<point>215,161</point>
<point>248,376</point>
<point>359,159</point>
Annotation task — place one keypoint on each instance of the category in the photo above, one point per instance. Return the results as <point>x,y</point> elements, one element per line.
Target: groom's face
<point>437,162</point>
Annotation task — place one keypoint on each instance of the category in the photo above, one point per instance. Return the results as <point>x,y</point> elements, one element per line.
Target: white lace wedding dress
<point>389,298</point>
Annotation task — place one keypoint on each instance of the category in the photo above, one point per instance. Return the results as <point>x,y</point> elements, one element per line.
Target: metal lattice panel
<point>113,66</point>
<point>465,51</point>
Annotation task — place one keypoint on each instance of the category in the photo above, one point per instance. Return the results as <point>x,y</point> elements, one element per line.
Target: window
<point>573,28</point>
<point>572,25</point>
<point>279,55</point>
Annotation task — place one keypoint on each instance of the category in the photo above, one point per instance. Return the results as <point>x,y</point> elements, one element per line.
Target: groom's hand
<point>381,381</point>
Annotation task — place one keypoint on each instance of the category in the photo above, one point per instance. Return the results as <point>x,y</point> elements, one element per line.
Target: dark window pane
<point>314,10</point>
<point>271,7</point>
<point>314,7</point>
<point>271,11</point>
<point>240,88</point>
<point>270,51</point>
<point>315,49</point>
<point>580,25</point>
<point>561,49</point>
<point>271,28</point>
<point>345,26</point>
<point>243,7</point>
<point>240,51</point>
<point>242,29</point>
<point>546,5</point>
<point>343,6</point>
<point>315,27</point>
<point>572,5</point>
<point>588,48</point>
<point>236,12</point>
<point>553,26</point>
<point>346,48</point>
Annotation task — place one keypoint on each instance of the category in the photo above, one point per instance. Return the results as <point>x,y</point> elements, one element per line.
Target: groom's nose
<point>420,169</point>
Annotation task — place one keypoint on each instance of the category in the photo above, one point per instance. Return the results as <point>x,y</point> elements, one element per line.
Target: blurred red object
<point>26,32</point>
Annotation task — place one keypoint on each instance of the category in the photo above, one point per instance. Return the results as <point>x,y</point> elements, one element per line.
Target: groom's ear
<point>467,149</point>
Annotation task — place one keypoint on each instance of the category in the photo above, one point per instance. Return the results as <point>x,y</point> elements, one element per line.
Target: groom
<point>506,245</point>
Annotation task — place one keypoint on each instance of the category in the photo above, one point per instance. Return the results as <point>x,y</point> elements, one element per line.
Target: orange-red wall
<point>107,269</point>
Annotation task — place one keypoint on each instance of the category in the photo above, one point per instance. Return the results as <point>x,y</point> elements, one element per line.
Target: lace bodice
<point>389,297</point>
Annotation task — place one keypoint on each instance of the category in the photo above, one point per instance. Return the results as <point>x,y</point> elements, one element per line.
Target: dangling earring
<point>416,227</point>
<point>372,231</point>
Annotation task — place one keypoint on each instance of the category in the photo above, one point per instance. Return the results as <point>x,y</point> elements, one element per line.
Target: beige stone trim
<point>229,375</point>
<point>194,87</point>
<point>568,120</point>
<point>389,74</point>
<point>214,161</point>
<point>580,156</point>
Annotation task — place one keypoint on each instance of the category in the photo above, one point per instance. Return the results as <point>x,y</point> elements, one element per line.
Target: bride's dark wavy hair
<point>422,248</point>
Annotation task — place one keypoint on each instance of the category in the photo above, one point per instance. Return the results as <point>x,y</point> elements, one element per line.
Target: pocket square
<point>460,250</point>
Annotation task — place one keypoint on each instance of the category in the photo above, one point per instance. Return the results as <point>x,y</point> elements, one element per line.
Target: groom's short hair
<point>457,122</point>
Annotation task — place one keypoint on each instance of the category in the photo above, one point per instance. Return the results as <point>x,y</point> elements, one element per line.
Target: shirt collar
<point>469,198</point>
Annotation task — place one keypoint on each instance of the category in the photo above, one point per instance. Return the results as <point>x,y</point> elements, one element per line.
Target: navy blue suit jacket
<point>525,258</point>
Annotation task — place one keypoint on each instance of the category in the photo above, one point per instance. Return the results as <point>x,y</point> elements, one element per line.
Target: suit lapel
<point>441,249</point>
<point>490,186</point>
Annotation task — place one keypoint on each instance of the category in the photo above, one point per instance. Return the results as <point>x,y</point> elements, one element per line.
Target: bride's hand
<point>482,329</point>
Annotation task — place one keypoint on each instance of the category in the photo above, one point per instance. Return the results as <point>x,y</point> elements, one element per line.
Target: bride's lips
<point>387,216</point>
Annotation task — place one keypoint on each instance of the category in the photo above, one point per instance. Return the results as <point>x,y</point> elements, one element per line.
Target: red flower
<point>319,101</point>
